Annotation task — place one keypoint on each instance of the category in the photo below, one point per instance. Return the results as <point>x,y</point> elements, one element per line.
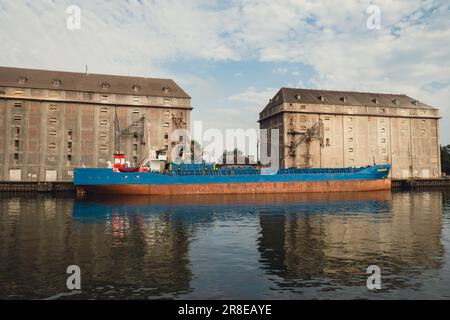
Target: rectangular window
<point>383,129</point>
<point>16,156</point>
<point>383,140</point>
<point>303,107</point>
<point>136,99</point>
<point>167,101</point>
<point>104,122</point>
<point>52,133</point>
<point>16,144</point>
<point>135,111</point>
<point>52,145</point>
<point>17,117</point>
<point>350,139</point>
<point>19,91</point>
<point>350,150</point>
<point>327,118</point>
<point>103,110</point>
<point>69,135</point>
<point>327,141</point>
<point>166,136</point>
<point>166,124</point>
<point>69,158</point>
<point>88,95</point>
<point>103,148</point>
<point>18,104</point>
<point>17,132</point>
<point>53,120</point>
<point>52,107</point>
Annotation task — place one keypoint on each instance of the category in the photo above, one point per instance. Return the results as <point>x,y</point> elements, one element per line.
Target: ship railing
<point>253,171</point>
<point>220,172</point>
<point>318,170</point>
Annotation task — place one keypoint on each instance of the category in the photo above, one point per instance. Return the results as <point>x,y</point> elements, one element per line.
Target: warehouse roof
<point>87,82</point>
<point>351,98</point>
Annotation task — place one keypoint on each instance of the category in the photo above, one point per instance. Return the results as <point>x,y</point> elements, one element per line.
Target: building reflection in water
<point>139,247</point>
<point>333,242</point>
<point>124,249</point>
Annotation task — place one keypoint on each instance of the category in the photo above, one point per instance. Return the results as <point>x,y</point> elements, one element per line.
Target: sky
<point>232,56</point>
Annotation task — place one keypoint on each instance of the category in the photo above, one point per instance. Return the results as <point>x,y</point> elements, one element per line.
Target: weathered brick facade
<point>51,122</point>
<point>330,129</point>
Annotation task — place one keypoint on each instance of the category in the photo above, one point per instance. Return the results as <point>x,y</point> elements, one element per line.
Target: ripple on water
<point>254,247</point>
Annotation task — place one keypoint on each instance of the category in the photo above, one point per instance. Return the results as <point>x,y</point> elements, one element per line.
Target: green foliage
<point>445,159</point>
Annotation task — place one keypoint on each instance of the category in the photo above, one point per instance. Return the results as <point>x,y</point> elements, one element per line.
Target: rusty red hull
<point>240,188</point>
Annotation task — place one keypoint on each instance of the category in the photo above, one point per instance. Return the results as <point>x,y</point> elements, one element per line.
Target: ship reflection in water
<point>297,246</point>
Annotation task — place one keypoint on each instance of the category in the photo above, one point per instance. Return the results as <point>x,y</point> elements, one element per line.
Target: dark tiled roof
<point>86,82</point>
<point>350,98</point>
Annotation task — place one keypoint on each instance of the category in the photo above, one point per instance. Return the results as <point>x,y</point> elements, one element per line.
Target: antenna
<point>86,69</point>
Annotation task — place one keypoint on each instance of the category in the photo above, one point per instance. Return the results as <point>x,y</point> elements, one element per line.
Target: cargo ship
<point>178,179</point>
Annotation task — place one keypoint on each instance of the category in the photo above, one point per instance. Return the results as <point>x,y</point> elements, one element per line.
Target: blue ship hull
<point>104,180</point>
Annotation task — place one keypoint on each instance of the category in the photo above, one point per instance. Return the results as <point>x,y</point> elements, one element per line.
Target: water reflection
<point>223,246</point>
<point>317,247</point>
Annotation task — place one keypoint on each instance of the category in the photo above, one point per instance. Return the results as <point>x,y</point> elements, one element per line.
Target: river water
<point>300,246</point>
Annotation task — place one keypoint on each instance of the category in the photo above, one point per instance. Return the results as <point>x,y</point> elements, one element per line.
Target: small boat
<point>176,179</point>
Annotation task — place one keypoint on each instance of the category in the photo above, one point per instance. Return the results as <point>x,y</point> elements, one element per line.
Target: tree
<point>445,159</point>
<point>196,152</point>
<point>236,157</point>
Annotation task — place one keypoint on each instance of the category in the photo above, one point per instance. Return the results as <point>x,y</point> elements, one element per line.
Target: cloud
<point>409,54</point>
<point>254,97</point>
<point>281,71</point>
<point>115,36</point>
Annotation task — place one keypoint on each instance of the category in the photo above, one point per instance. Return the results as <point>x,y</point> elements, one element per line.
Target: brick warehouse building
<point>51,122</point>
<point>320,128</point>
